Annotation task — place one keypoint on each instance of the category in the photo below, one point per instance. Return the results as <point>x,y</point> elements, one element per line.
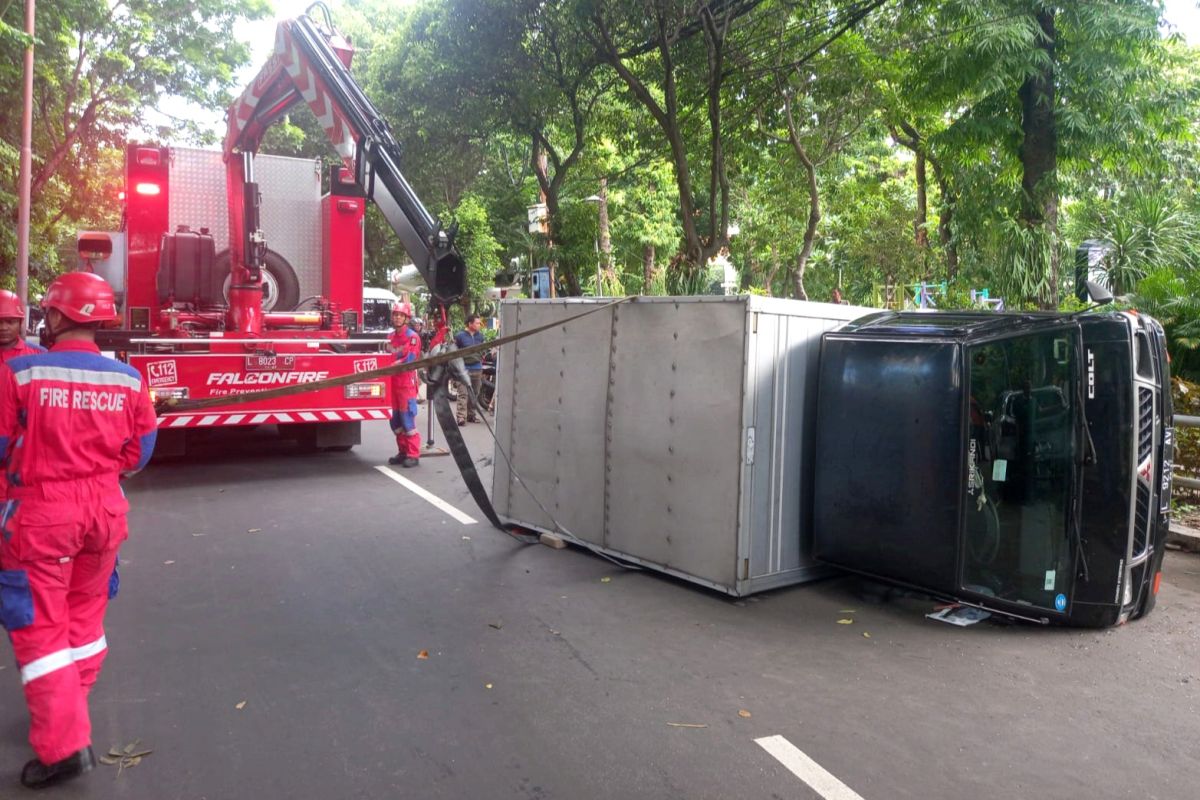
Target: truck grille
<point>1141,520</point>
<point>1142,510</point>
<point>1145,423</point>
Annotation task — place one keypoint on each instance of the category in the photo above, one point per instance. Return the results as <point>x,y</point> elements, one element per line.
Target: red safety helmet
<point>11,306</point>
<point>403,307</point>
<point>82,297</point>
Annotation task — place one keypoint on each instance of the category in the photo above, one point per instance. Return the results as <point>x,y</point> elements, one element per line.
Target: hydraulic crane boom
<point>312,63</point>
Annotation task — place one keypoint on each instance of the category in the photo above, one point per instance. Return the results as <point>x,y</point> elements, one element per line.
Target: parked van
<point>377,309</point>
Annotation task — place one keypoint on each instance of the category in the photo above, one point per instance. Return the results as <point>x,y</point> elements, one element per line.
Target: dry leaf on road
<point>687,725</point>
<point>424,654</point>
<point>606,580</point>
<point>127,756</point>
<point>744,714</point>
<point>845,622</point>
<point>240,705</point>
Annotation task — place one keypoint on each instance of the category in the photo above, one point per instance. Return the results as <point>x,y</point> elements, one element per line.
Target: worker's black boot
<point>411,462</point>
<point>397,459</point>
<point>37,775</point>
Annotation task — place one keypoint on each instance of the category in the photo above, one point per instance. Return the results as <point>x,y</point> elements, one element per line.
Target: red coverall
<point>21,348</point>
<point>406,344</point>
<point>71,422</point>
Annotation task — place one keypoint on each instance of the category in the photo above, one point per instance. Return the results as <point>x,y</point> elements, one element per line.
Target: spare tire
<point>281,287</point>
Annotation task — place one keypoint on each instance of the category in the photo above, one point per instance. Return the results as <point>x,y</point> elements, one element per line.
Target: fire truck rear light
<point>147,188</point>
<point>148,156</point>
<point>168,393</point>
<point>121,197</point>
<point>347,206</point>
<point>359,391</point>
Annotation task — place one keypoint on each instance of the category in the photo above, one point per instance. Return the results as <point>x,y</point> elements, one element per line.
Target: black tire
<point>287,285</point>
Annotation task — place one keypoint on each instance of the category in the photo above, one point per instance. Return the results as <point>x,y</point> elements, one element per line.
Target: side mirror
<point>1098,294</point>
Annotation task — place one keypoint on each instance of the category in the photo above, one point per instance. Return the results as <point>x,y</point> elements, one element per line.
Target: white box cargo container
<point>674,432</point>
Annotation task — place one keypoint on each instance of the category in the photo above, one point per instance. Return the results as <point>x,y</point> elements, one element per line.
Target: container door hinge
<point>750,445</point>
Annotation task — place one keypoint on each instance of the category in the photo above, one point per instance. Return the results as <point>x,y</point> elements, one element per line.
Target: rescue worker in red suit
<point>405,344</point>
<point>72,422</point>
<point>12,324</point>
<point>12,344</point>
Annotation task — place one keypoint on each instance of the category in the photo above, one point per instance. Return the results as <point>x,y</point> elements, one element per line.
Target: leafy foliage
<point>100,69</point>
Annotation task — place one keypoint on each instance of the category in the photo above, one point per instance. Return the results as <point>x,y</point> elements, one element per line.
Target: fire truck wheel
<point>281,287</point>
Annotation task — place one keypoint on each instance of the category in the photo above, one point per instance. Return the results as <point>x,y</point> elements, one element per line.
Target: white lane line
<point>427,496</point>
<point>817,777</point>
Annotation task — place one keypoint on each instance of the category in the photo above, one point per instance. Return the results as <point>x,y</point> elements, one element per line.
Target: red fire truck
<point>229,283</point>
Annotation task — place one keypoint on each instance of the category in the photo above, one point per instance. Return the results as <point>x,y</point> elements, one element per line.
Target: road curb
<point>1184,538</point>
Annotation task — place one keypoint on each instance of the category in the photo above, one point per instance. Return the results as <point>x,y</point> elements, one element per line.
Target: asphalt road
<point>268,642</point>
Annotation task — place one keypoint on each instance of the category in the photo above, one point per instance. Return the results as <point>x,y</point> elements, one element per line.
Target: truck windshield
<point>1021,457</point>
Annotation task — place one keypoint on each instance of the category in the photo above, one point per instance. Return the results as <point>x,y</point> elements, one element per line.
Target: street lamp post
<point>26,162</point>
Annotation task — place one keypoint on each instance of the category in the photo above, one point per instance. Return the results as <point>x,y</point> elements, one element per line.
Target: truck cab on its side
<point>1015,462</point>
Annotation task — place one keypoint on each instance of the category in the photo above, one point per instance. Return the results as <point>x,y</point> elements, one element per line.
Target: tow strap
<point>440,401</point>
<point>442,368</point>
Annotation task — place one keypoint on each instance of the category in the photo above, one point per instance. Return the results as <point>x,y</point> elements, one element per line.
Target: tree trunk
<point>814,198</point>
<point>647,268</point>
<point>1039,154</point>
<point>921,236</point>
<point>697,247</point>
<point>605,238</point>
<point>775,264</point>
<point>801,262</point>
<point>945,218</point>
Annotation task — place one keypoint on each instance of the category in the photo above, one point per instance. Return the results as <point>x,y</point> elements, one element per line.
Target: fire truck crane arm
<point>312,63</point>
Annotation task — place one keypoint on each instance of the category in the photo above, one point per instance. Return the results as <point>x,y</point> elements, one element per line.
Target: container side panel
<point>551,412</point>
<point>675,428</point>
<point>291,206</point>
<point>503,422</point>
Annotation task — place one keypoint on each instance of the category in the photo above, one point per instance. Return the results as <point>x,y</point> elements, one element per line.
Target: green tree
<point>100,68</point>
<point>1036,92</point>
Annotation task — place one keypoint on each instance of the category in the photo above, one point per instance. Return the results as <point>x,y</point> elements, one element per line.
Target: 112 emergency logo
<point>162,373</point>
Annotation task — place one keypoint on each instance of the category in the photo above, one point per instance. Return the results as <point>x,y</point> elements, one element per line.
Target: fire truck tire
<point>280,284</point>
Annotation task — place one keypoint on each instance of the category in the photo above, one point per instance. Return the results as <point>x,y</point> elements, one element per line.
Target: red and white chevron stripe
<point>315,94</point>
<point>268,418</point>
<point>287,57</point>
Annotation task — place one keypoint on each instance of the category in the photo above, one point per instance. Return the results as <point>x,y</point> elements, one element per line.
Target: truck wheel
<point>281,287</point>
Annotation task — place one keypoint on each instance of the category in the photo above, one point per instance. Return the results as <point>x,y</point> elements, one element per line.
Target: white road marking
<point>427,496</point>
<point>817,777</point>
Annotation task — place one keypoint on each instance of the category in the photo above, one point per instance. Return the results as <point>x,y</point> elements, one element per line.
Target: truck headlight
<point>168,393</point>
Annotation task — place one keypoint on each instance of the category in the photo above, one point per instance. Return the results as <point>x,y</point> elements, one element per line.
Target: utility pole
<point>26,165</point>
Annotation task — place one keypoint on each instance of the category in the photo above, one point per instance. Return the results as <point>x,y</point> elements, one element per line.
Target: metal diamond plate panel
<point>291,205</point>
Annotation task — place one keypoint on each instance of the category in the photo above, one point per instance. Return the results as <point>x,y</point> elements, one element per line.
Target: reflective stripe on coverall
<point>407,346</point>
<point>71,422</point>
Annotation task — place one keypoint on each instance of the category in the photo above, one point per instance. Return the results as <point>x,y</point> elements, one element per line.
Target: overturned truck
<point>1017,462</point>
